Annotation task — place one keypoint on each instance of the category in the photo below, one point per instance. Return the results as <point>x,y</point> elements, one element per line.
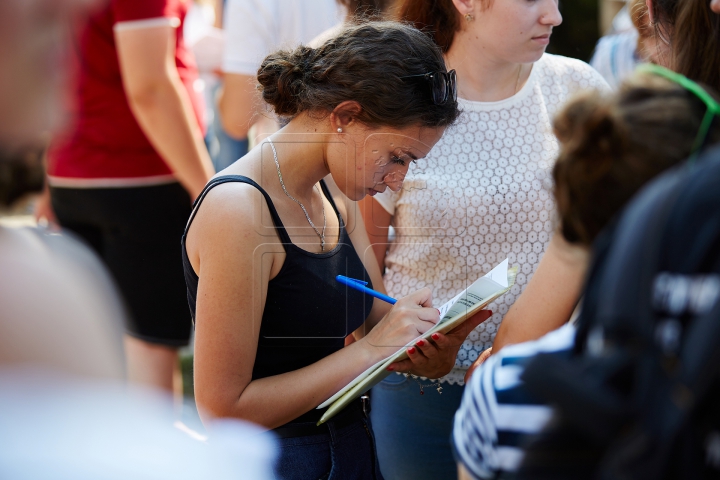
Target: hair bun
<point>283,77</point>
<point>588,127</point>
<point>366,63</point>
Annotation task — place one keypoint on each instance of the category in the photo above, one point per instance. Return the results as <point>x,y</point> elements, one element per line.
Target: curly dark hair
<point>612,144</point>
<point>369,63</point>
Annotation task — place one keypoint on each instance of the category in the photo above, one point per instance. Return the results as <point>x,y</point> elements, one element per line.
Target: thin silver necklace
<point>282,184</point>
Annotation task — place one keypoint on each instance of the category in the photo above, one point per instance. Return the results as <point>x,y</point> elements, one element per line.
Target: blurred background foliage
<point>577,35</point>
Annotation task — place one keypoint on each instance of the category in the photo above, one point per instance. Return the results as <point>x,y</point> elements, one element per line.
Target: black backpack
<point>640,396</point>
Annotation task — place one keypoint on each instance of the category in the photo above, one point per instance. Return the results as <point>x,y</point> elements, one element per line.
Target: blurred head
<point>370,82</point>
<point>516,31</point>
<point>34,42</point>
<point>689,38</point>
<point>58,307</point>
<point>612,144</point>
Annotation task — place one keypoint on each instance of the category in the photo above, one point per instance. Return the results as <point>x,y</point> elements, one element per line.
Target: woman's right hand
<point>43,211</point>
<point>409,318</point>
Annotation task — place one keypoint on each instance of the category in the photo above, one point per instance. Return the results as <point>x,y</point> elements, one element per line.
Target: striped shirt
<point>498,415</point>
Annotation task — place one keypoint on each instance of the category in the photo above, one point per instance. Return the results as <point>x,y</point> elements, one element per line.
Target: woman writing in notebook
<point>271,232</point>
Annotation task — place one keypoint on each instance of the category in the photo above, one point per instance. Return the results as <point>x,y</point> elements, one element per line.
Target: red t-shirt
<point>106,141</point>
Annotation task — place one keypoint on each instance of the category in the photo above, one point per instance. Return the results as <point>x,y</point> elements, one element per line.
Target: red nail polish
<point>390,368</point>
<point>435,336</point>
<point>438,310</point>
<point>421,343</point>
<point>411,350</point>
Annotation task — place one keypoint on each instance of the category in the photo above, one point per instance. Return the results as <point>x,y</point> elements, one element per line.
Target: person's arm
<point>43,211</point>
<point>229,248</point>
<point>377,222</point>
<point>249,36</point>
<point>549,298</point>
<point>219,14</point>
<point>160,102</point>
<point>240,108</point>
<point>463,474</point>
<point>238,104</point>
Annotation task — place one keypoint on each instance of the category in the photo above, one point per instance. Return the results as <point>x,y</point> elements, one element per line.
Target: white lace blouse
<point>482,194</point>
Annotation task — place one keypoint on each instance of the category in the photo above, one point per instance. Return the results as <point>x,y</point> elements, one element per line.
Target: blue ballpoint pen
<point>360,285</point>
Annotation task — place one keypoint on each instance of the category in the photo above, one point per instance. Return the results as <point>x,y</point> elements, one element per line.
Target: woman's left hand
<point>435,358</point>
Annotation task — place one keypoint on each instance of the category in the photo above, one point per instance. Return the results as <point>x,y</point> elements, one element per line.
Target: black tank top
<point>307,312</point>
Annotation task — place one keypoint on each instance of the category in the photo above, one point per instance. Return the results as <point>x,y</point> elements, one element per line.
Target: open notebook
<point>468,302</point>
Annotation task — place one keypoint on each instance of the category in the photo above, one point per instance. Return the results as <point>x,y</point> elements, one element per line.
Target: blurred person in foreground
<point>688,45</point>
<point>51,288</point>
<point>124,175</point>
<point>66,411</point>
<point>612,145</point>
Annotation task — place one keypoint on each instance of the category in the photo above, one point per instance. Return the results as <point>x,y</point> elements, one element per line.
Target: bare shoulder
<point>232,225</point>
<point>233,207</point>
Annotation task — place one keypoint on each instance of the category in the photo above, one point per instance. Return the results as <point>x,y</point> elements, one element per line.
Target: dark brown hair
<point>373,9</point>
<point>438,18</point>
<point>696,42</point>
<point>21,173</point>
<point>369,63</point>
<point>693,32</point>
<point>612,144</point>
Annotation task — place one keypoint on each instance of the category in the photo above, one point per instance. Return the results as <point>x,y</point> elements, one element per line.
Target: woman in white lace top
<point>483,194</point>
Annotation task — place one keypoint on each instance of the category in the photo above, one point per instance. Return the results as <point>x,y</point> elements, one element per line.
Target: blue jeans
<point>224,150</point>
<point>346,453</point>
<point>412,430</point>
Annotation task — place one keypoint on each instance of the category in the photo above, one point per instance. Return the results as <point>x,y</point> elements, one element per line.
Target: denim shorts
<point>346,453</point>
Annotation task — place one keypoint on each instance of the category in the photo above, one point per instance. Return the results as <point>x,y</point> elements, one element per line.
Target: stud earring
<point>339,130</point>
<point>469,17</point>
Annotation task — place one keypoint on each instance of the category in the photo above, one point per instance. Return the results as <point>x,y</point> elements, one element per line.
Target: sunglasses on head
<point>442,84</point>
<point>713,107</point>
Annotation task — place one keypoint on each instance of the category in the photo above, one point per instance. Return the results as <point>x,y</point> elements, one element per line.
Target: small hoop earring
<point>339,130</point>
<point>469,17</point>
